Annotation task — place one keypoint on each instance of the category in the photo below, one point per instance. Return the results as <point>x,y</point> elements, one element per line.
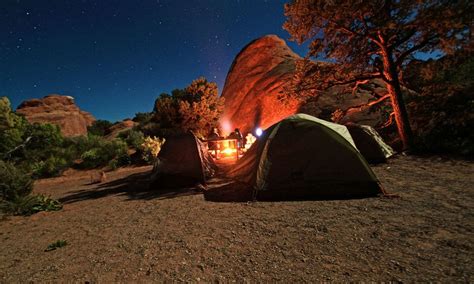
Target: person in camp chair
<point>240,139</point>
<point>214,145</point>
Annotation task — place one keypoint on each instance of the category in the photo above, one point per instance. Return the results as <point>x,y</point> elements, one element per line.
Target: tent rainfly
<point>183,160</point>
<point>305,157</point>
<point>369,143</point>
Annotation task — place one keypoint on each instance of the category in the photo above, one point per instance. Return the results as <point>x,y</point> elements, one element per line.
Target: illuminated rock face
<point>58,110</point>
<point>254,82</point>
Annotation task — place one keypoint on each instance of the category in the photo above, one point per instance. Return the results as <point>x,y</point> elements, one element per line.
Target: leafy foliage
<point>103,152</point>
<point>133,138</point>
<point>15,193</point>
<point>365,40</point>
<point>100,127</point>
<point>202,112</point>
<point>151,147</point>
<point>441,114</point>
<point>143,117</point>
<point>14,183</point>
<point>13,129</point>
<point>30,204</point>
<point>196,108</point>
<point>51,167</point>
<point>20,205</point>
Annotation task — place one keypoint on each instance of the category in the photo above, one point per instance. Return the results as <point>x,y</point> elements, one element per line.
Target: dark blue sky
<point>116,56</point>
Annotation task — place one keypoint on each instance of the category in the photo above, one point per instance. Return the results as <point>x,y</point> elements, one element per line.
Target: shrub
<point>100,127</point>
<point>46,203</point>
<point>133,138</point>
<point>52,167</point>
<point>143,117</point>
<point>152,147</point>
<point>103,153</point>
<point>30,204</point>
<point>57,244</point>
<point>20,205</point>
<point>14,183</point>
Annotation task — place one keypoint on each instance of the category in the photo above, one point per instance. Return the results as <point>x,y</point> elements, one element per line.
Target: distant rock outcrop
<point>120,127</point>
<point>257,79</point>
<point>58,110</point>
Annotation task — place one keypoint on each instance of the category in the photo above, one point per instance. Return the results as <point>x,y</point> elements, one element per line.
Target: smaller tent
<point>369,143</point>
<point>305,157</point>
<point>182,161</point>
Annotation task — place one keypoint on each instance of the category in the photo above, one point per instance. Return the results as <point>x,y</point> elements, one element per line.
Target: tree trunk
<point>398,105</point>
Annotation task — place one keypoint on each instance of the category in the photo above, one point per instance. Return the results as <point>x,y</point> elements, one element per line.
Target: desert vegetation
<point>196,108</point>
<point>34,151</point>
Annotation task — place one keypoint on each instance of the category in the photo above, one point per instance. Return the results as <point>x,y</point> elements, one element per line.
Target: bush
<point>133,138</point>
<point>14,183</point>
<point>441,114</point>
<point>30,204</point>
<point>151,148</point>
<point>21,205</point>
<point>103,153</point>
<point>52,167</point>
<point>100,127</point>
<point>57,244</point>
<point>143,117</point>
<point>15,193</point>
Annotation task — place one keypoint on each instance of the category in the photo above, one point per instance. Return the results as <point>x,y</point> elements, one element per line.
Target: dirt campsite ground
<point>119,231</point>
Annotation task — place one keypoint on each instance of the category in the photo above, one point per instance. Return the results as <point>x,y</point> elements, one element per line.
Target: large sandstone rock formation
<point>254,82</point>
<point>257,79</point>
<point>58,110</point>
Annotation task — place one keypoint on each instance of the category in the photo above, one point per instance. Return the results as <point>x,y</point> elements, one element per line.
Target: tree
<point>100,127</point>
<point>364,40</point>
<point>196,108</point>
<point>143,117</point>
<point>203,110</point>
<point>13,129</point>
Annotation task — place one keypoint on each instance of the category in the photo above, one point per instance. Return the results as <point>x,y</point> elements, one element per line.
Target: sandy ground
<point>120,231</point>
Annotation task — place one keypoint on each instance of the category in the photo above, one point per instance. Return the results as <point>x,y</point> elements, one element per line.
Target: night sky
<point>116,56</point>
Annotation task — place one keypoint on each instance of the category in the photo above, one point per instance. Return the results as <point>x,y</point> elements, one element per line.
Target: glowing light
<point>250,139</point>
<point>226,127</point>
<point>229,151</point>
<point>258,131</point>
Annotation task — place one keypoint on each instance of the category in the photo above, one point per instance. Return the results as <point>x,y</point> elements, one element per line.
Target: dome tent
<point>369,143</point>
<point>182,161</point>
<point>303,156</point>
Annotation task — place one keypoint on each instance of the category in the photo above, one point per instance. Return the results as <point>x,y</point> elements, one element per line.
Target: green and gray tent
<point>303,156</point>
<point>182,161</point>
<point>370,143</point>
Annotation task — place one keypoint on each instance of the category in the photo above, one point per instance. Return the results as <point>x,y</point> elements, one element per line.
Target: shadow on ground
<point>139,186</point>
<point>134,187</point>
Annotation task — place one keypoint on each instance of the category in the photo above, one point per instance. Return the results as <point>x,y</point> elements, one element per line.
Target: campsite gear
<point>302,157</point>
<point>369,143</point>
<point>183,160</point>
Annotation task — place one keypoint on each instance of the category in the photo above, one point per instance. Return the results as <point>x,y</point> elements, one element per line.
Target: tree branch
<point>356,86</point>
<point>17,147</point>
<point>357,79</point>
<point>407,52</point>
<point>379,100</point>
<point>366,35</point>
<point>390,120</point>
<point>403,39</point>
